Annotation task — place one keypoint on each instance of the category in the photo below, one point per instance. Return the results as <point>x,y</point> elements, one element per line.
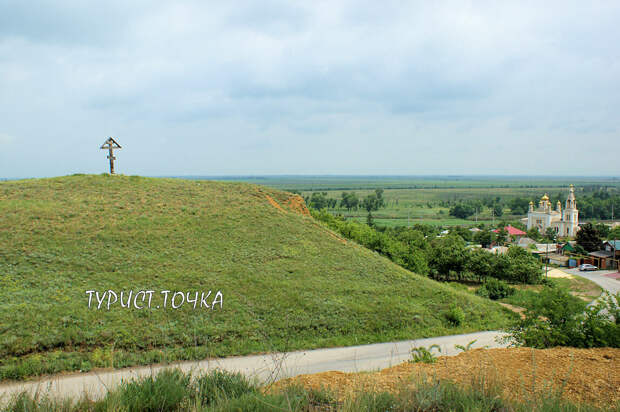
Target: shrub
<point>164,392</point>
<point>495,289</point>
<point>558,320</point>
<point>455,315</point>
<point>220,384</point>
<point>482,291</point>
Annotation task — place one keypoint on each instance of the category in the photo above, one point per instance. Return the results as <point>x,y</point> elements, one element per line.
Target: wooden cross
<point>111,144</point>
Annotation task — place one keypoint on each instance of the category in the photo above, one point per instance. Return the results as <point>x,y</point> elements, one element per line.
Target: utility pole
<point>547,261</point>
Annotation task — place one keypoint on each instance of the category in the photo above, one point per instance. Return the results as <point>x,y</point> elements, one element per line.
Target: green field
<point>287,282</point>
<point>425,200</point>
<point>334,182</point>
<point>403,221</point>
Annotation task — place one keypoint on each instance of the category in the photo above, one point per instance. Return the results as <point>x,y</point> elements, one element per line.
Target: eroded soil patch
<point>582,375</point>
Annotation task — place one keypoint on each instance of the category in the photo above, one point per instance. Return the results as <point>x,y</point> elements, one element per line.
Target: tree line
<point>419,250</point>
<point>349,201</point>
<point>601,204</point>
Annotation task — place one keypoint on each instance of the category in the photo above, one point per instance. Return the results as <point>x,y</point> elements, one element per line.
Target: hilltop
<point>285,281</point>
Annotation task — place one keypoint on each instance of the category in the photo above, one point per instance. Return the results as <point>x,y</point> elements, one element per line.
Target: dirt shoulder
<point>582,375</point>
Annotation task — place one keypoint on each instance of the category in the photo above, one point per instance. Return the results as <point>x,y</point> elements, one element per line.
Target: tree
<point>463,232</point>
<point>411,236</point>
<point>349,200</point>
<point>448,254</point>
<point>533,233</point>
<point>522,266</point>
<point>519,205</point>
<point>602,229</point>
<point>588,238</point>
<point>498,210</point>
<point>502,235</point>
<point>614,234</point>
<point>380,200</point>
<point>481,263</point>
<point>462,210</point>
<point>318,200</point>
<point>371,202</point>
<point>484,238</point>
<point>580,250</point>
<point>551,236</point>
<point>369,220</point>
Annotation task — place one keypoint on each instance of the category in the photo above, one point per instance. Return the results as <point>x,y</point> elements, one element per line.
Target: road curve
<point>600,278</point>
<point>264,368</point>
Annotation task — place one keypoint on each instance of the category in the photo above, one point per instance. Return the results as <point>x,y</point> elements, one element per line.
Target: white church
<point>565,222</point>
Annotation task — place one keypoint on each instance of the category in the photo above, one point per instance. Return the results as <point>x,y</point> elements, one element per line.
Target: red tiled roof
<point>512,231</point>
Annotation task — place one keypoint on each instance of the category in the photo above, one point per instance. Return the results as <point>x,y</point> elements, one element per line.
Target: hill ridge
<point>287,282</point>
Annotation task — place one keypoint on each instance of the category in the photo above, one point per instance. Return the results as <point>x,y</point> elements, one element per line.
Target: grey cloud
<point>266,77</point>
<point>70,22</point>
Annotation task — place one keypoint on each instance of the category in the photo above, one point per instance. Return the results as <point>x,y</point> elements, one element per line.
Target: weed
<point>421,354</point>
<point>465,348</point>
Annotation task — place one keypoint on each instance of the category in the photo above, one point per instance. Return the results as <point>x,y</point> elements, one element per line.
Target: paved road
<point>608,283</point>
<point>265,368</point>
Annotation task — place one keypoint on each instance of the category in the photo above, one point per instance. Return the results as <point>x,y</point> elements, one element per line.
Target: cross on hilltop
<point>111,144</point>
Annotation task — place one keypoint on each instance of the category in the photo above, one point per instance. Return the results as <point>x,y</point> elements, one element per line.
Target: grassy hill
<point>286,282</point>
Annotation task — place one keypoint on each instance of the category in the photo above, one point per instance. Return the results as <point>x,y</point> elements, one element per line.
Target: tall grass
<point>220,391</point>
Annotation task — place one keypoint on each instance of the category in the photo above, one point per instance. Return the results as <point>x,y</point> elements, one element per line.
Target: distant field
<point>326,183</point>
<point>404,222</point>
<point>411,199</point>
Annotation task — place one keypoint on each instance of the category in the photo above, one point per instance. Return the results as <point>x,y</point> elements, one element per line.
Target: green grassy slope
<point>287,282</point>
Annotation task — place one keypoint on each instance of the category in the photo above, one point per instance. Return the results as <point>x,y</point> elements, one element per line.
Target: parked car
<point>587,266</point>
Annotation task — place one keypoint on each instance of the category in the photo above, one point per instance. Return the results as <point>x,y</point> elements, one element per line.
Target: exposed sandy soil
<point>294,203</point>
<point>584,375</point>
<point>516,309</point>
<point>556,273</point>
<point>297,204</point>
<point>273,203</point>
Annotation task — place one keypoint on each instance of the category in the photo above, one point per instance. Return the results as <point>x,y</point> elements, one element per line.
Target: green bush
<point>495,289</point>
<point>401,247</point>
<point>455,315</point>
<point>557,319</point>
<point>483,292</point>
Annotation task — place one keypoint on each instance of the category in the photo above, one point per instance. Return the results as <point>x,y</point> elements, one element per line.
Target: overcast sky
<point>313,87</point>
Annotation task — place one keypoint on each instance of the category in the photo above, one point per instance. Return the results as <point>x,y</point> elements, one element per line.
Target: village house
<point>513,232</point>
<point>612,246</point>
